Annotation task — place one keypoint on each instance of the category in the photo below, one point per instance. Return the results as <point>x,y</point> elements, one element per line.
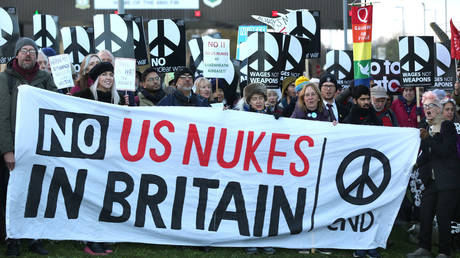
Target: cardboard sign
<point>305,25</point>
<point>9,29</point>
<point>292,61</point>
<point>46,31</point>
<point>216,57</point>
<point>444,69</point>
<point>167,44</point>
<point>416,57</point>
<point>61,70</point>
<point>340,63</point>
<point>125,74</point>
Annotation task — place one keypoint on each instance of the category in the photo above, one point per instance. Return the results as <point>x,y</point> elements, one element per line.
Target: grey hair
<point>88,57</point>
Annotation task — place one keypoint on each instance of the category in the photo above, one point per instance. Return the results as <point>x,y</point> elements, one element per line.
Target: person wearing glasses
<point>438,165</point>
<point>23,69</point>
<point>183,95</point>
<point>150,92</point>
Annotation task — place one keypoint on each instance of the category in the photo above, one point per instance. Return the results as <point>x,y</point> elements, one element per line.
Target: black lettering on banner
<point>35,191</point>
<point>152,201</point>
<point>72,199</point>
<point>204,184</point>
<point>232,191</point>
<point>178,205</point>
<point>260,210</point>
<point>111,196</point>
<point>72,135</point>
<point>280,202</point>
<point>354,222</point>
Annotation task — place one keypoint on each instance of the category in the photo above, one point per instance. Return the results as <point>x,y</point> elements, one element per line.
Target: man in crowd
<point>106,56</point>
<point>379,98</point>
<point>23,69</point>
<point>42,61</point>
<point>150,92</point>
<point>405,108</point>
<point>329,87</point>
<point>184,95</point>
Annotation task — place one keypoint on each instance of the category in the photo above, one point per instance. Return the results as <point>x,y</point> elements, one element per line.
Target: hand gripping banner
<point>93,171</point>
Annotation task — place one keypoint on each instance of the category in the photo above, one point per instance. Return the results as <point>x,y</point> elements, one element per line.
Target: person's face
<point>408,94</point>
<point>364,101</point>
<point>152,82</point>
<point>27,57</point>
<point>105,57</point>
<point>185,82</point>
<point>448,111</point>
<point>328,90</point>
<point>105,80</point>
<point>431,110</point>
<point>42,61</point>
<point>291,90</point>
<point>379,103</point>
<point>205,89</point>
<point>272,97</point>
<point>257,102</point>
<point>311,99</point>
<point>93,61</point>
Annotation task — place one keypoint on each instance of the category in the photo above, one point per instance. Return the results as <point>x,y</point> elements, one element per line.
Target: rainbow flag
<point>361,20</point>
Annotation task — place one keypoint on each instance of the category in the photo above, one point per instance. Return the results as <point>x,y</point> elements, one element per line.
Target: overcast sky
<point>388,20</point>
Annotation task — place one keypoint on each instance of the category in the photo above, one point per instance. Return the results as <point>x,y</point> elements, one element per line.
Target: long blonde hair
<point>113,91</point>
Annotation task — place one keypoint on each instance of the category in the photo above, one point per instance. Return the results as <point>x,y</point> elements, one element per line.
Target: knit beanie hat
<point>182,71</point>
<point>99,69</point>
<point>285,83</point>
<point>254,88</point>
<point>25,42</point>
<point>48,51</point>
<point>300,83</point>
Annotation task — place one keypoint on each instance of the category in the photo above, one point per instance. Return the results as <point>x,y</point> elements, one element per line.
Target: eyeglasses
<point>183,77</point>
<point>28,51</point>
<point>153,79</point>
<point>430,106</point>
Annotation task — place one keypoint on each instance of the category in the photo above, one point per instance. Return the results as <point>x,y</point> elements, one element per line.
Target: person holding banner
<point>362,112</point>
<point>329,88</point>
<point>438,165</point>
<point>23,69</point>
<point>84,81</point>
<point>310,105</point>
<point>150,92</point>
<point>273,105</point>
<point>184,95</point>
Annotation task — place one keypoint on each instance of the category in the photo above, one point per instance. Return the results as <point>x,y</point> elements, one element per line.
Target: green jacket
<point>8,99</point>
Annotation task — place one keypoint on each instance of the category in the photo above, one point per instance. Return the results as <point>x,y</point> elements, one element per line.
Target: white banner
<point>216,57</point>
<point>148,4</point>
<point>93,171</point>
<point>61,70</point>
<point>125,74</point>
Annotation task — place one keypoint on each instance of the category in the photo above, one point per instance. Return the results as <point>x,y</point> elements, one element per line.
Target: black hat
<point>182,71</point>
<point>327,77</point>
<point>99,69</point>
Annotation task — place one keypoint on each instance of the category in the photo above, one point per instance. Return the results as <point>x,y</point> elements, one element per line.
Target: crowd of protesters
<point>306,98</point>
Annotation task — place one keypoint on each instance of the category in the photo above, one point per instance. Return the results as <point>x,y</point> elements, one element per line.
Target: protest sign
<point>125,74</point>
<point>140,43</point>
<point>114,33</point>
<point>340,63</point>
<point>167,44</point>
<point>77,43</point>
<point>243,31</point>
<point>385,73</point>
<point>444,70</point>
<point>46,31</point>
<point>416,58</point>
<point>61,70</point>
<point>216,57</point>
<point>305,25</point>
<point>93,171</point>
<point>9,27</point>
<point>361,19</point>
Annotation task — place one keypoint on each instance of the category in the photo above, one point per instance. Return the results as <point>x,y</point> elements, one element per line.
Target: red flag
<point>454,42</point>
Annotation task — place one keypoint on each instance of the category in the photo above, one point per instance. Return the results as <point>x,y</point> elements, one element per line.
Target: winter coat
<point>404,119</point>
<point>146,98</point>
<point>439,158</point>
<point>101,96</point>
<point>10,79</point>
<point>388,117</point>
<point>177,98</point>
<point>299,113</point>
<point>361,116</point>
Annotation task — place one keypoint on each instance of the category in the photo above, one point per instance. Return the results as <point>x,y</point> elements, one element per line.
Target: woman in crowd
<point>203,88</point>
<point>287,91</point>
<point>310,104</point>
<point>449,109</point>
<point>439,170</point>
<point>84,81</point>
<point>273,105</point>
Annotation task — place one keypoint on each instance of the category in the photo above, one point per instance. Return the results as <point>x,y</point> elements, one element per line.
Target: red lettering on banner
<point>298,151</point>
<point>221,149</point>
<point>250,149</point>
<point>272,153</point>
<point>193,137</point>
<point>156,132</point>
<point>142,141</point>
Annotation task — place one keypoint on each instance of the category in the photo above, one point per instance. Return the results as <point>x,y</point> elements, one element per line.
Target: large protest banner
<point>92,171</point>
